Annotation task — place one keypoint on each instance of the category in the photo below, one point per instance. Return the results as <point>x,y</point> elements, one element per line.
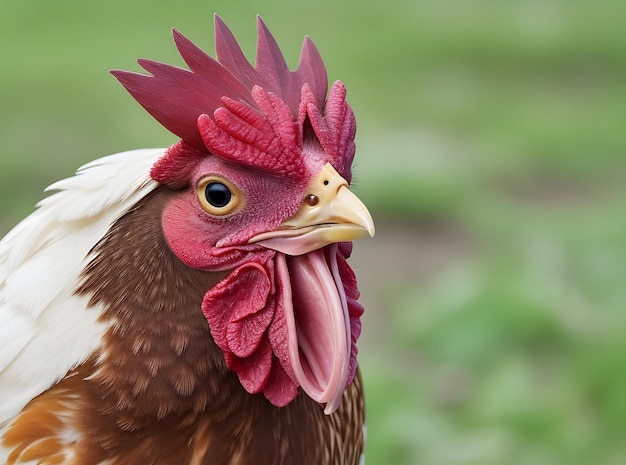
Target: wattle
<point>284,322</point>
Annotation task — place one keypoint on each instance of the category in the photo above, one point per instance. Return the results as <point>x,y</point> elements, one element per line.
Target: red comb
<point>253,115</point>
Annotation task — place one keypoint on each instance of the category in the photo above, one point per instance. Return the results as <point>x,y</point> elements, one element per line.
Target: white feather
<point>45,329</point>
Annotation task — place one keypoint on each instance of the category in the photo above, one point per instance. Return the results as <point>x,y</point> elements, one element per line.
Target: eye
<point>218,196</point>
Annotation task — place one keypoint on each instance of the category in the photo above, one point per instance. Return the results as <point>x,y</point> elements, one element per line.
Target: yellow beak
<point>329,213</point>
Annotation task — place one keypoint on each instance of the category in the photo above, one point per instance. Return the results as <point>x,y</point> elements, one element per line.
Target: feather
<point>40,260</point>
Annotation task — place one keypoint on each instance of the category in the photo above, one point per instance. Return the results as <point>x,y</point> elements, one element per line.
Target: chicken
<point>193,305</point>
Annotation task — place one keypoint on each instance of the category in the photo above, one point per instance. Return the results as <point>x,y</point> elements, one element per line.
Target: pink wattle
<point>289,321</point>
<point>318,324</point>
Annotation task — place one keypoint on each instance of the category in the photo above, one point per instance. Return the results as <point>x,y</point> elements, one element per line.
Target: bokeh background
<point>491,151</point>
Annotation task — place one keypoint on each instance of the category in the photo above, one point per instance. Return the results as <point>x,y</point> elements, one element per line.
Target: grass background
<point>491,150</point>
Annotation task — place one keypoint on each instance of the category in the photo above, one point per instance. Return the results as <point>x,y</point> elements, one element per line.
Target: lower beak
<point>329,213</point>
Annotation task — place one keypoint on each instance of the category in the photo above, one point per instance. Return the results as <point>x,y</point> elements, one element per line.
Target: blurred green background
<point>491,150</point>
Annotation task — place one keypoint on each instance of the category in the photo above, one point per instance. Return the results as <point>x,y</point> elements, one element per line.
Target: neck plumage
<point>160,373</point>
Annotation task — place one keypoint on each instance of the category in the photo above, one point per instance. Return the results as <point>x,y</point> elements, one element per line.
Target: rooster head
<point>261,181</point>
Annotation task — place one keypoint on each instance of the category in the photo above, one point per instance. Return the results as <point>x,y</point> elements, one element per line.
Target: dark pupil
<point>217,194</point>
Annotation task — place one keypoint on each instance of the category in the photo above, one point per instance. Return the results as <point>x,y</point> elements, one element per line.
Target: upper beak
<point>329,213</point>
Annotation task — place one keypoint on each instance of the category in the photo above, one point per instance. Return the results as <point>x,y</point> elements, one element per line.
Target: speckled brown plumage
<point>158,391</point>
